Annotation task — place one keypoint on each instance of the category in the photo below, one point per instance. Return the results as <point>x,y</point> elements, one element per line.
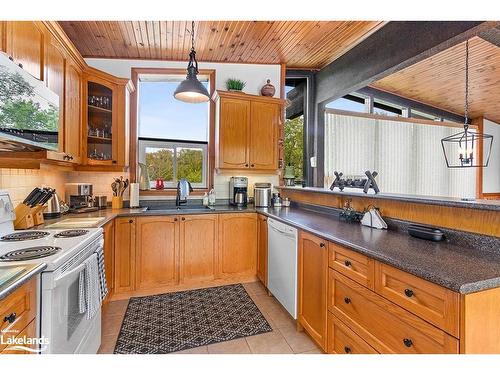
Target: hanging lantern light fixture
<point>461,150</point>
<point>191,90</point>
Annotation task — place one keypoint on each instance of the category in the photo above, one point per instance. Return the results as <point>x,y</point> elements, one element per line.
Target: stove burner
<point>30,253</point>
<point>25,235</point>
<point>71,233</point>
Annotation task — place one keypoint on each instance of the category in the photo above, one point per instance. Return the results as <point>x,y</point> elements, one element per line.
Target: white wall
<point>491,174</point>
<point>255,75</point>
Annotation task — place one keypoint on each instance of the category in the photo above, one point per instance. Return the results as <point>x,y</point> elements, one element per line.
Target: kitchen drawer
<point>383,324</point>
<point>342,340</point>
<point>352,264</point>
<point>437,305</point>
<point>28,332</point>
<point>20,308</point>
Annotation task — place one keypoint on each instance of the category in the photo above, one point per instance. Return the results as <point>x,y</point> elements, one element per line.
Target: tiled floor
<point>283,340</point>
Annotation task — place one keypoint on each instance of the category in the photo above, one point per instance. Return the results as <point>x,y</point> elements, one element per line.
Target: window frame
<point>136,72</point>
<point>175,144</point>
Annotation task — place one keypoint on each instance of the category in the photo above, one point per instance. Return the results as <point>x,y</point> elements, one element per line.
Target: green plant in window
<point>160,164</point>
<point>294,144</point>
<point>233,84</point>
<point>190,165</point>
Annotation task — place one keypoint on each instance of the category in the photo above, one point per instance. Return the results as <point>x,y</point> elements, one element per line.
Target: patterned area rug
<point>167,323</point>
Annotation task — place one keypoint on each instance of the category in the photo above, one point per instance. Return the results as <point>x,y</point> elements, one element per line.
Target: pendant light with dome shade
<point>461,149</point>
<point>191,90</point>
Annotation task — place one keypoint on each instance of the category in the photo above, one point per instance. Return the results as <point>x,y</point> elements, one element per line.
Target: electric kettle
<point>53,208</point>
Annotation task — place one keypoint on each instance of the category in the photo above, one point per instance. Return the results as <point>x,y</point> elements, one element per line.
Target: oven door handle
<point>67,274</point>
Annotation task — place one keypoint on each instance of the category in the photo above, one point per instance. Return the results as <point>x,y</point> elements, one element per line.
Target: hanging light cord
<point>192,36</point>
<point>466,125</point>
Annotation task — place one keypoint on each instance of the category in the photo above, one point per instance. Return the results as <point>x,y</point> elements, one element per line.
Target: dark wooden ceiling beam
<point>395,46</point>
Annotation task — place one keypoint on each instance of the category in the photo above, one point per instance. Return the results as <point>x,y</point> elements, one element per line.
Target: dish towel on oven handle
<point>92,285</point>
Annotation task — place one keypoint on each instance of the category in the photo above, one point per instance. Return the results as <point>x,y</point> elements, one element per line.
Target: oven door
<point>67,330</point>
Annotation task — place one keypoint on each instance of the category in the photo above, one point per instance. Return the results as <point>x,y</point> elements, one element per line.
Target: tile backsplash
<point>19,182</point>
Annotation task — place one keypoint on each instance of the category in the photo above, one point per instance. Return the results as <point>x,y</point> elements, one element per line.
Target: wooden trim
<point>134,131</point>
<point>242,95</point>
<point>464,219</point>
<point>398,119</point>
<point>56,30</point>
<point>282,80</point>
<point>491,195</point>
<point>479,123</point>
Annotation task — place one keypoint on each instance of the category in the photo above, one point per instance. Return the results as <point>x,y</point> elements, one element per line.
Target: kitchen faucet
<point>183,189</point>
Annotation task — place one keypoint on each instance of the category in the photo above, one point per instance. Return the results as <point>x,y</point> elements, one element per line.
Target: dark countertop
<point>459,268</point>
<point>13,276</point>
<point>479,204</point>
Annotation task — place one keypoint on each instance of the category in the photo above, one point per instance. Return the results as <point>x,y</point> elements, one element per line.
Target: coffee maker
<point>79,197</point>
<point>238,191</point>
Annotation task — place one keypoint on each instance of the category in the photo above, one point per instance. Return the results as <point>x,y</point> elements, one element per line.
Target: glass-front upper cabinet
<point>106,122</point>
<point>99,123</point>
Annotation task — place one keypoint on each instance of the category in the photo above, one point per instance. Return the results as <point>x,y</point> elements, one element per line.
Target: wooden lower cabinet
<point>109,257</point>
<point>124,255</point>
<point>342,340</point>
<point>237,245</point>
<point>157,251</point>
<point>262,248</point>
<point>198,248</point>
<point>312,286</point>
<point>27,333</point>
<point>18,311</point>
<point>385,326</point>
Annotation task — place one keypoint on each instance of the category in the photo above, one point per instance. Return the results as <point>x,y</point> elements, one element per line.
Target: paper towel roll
<point>134,194</point>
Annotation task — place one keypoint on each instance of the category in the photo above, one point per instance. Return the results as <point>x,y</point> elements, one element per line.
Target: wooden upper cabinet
<point>105,120</point>
<point>124,254</point>
<point>247,131</point>
<point>262,248</point>
<point>157,251</point>
<point>198,248</point>
<point>237,245</point>
<point>312,286</point>
<point>72,113</point>
<point>55,76</point>
<point>264,135</point>
<point>234,124</point>
<point>25,43</point>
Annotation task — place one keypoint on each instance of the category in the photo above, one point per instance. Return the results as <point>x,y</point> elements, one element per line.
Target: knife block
<point>24,217</point>
<point>37,213</point>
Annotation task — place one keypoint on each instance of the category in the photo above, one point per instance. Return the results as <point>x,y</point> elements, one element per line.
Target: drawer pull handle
<point>348,263</point>
<point>10,318</point>
<point>131,221</point>
<point>408,343</point>
<point>409,293</point>
<point>347,300</point>
<point>321,244</point>
<point>347,350</point>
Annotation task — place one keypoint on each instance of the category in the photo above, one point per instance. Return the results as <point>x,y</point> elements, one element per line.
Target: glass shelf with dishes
<point>99,123</point>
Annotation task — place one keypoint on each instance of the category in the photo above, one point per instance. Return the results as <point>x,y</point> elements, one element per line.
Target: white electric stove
<point>63,251</point>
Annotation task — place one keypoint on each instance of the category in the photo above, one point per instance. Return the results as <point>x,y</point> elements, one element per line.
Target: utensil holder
<point>117,203</point>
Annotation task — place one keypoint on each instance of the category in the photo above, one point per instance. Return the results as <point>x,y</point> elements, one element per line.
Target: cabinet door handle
<point>183,219</point>
<point>131,221</point>
<point>347,350</point>
<point>246,165</point>
<point>10,318</point>
<point>175,219</point>
<point>348,263</point>
<point>114,161</point>
<point>408,342</point>
<point>409,293</point>
<point>322,244</point>
<point>252,165</point>
<point>347,300</point>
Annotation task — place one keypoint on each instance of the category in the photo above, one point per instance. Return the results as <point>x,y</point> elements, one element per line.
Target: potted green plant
<point>233,84</point>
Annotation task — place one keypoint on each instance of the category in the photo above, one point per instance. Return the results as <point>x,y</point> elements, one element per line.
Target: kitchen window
<point>173,136</point>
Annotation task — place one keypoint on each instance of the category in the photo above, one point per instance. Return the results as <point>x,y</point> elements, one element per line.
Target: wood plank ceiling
<point>440,80</point>
<point>298,44</point>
